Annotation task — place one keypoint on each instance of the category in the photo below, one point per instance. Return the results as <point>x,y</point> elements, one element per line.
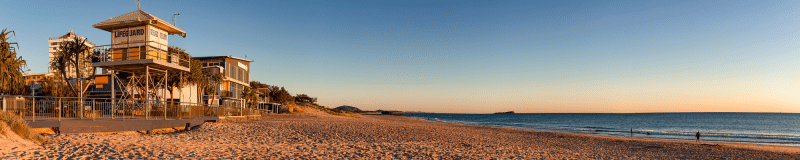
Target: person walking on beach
<point>697,135</point>
<point>631,132</point>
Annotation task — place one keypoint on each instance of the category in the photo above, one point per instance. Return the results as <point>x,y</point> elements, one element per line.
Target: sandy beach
<point>316,135</point>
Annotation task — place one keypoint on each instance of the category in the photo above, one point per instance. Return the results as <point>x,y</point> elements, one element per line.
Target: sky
<point>477,56</point>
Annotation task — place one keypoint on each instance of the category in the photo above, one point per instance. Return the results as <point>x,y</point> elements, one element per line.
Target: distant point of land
<point>348,108</point>
<point>509,112</point>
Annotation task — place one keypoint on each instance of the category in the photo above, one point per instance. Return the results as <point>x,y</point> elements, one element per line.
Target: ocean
<point>779,129</point>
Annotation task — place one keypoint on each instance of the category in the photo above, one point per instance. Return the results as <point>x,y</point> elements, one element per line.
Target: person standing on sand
<point>631,132</point>
<point>697,136</point>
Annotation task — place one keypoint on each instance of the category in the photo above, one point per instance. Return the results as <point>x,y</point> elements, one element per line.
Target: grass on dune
<point>330,111</point>
<point>19,127</point>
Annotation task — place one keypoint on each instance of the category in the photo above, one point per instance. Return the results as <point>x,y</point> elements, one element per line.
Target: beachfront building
<point>236,77</point>
<point>54,43</point>
<point>35,80</point>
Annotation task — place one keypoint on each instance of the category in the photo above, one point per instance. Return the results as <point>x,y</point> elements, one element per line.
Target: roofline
<point>215,57</point>
<point>157,22</point>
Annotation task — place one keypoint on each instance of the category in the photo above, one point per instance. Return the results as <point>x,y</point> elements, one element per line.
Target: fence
<point>58,108</point>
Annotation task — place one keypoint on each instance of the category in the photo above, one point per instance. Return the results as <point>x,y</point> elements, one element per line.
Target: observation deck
<point>139,42</point>
<point>135,59</point>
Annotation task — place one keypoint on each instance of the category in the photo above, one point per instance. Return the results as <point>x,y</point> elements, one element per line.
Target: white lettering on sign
<point>242,65</point>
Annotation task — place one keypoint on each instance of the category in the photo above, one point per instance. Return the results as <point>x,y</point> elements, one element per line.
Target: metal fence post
<point>60,107</point>
<point>81,108</point>
<point>113,105</point>
<point>22,110</point>
<point>92,111</point>
<point>33,103</point>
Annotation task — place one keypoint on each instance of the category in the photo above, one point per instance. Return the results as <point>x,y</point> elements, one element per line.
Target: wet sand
<point>315,135</point>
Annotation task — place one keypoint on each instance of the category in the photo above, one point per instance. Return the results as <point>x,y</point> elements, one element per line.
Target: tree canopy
<point>11,79</point>
<point>303,98</point>
<point>71,56</point>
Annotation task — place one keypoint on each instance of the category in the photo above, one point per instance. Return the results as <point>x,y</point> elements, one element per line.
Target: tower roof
<point>138,18</point>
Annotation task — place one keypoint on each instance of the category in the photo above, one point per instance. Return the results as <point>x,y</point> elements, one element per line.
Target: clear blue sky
<point>478,56</point>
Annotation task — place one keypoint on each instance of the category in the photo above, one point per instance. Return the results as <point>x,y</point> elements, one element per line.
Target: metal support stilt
<point>166,75</point>
<point>113,93</point>
<point>146,93</point>
<point>180,95</point>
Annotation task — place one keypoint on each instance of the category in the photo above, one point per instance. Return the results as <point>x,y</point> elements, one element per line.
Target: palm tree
<point>249,96</point>
<point>197,76</point>
<point>50,87</point>
<point>11,79</point>
<point>71,55</point>
<point>174,80</point>
<point>216,78</point>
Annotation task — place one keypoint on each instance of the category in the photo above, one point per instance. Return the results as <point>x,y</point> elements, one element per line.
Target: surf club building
<point>235,73</point>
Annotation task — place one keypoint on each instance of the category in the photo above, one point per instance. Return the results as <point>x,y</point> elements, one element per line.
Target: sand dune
<point>315,135</point>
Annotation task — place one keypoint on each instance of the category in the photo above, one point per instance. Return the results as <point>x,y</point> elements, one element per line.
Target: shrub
<point>19,127</point>
<point>297,107</point>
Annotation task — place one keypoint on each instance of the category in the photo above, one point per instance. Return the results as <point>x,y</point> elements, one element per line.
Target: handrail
<point>106,52</point>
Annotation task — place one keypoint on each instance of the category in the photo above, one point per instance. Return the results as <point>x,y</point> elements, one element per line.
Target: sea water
<point>780,129</point>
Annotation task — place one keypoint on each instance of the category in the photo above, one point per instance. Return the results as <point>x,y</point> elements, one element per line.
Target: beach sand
<point>315,135</point>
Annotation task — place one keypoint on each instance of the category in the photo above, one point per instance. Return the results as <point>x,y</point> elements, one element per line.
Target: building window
<point>228,71</point>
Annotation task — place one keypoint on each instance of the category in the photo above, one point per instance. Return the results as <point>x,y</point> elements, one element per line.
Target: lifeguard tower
<point>139,50</point>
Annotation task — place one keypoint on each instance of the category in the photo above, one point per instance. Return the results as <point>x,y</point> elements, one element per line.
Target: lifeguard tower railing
<point>139,51</point>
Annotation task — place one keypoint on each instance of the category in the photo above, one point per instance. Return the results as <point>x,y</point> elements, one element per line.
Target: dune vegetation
<point>18,126</point>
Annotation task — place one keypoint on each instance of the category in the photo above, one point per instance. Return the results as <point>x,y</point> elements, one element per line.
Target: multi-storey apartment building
<point>54,44</point>
<point>236,75</point>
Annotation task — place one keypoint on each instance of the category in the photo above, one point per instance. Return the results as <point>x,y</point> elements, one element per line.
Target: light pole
<point>174,18</point>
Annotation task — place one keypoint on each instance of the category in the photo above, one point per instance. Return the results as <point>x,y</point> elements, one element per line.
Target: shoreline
<point>641,134</point>
<point>318,135</point>
<point>763,147</point>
